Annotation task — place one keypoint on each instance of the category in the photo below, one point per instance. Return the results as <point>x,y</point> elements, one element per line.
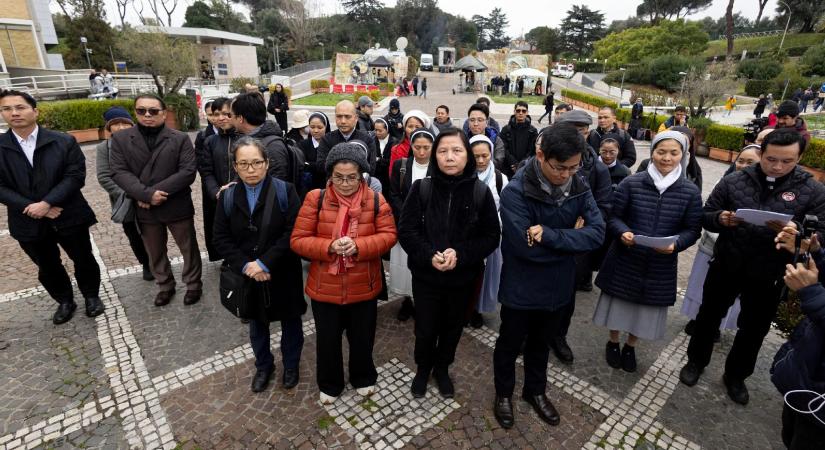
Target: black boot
<point>147,273</point>
<point>689,375</point>
<point>419,383</point>
<point>562,350</point>
<point>613,355</point>
<point>737,391</point>
<point>628,358</point>
<point>445,384</point>
<point>407,310</point>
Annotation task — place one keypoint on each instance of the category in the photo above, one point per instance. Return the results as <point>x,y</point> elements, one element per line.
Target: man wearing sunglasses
<point>41,174</point>
<point>519,138</point>
<point>156,166</point>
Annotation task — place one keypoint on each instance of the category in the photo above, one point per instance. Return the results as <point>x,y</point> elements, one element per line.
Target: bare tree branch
<point>762,4</point>
<point>139,12</point>
<point>173,4</point>
<point>122,5</point>
<point>153,6</point>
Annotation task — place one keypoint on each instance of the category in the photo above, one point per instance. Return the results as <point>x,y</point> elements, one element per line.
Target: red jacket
<point>312,236</point>
<point>400,150</point>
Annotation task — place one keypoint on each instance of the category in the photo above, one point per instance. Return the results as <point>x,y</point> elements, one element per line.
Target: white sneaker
<point>366,391</point>
<point>327,399</point>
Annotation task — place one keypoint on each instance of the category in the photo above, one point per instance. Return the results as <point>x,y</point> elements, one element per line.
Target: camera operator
<point>745,261</point>
<point>799,365</point>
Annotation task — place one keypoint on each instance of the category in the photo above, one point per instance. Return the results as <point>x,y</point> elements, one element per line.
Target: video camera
<point>753,128</point>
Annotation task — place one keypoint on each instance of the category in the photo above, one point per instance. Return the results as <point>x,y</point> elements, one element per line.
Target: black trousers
<point>131,231</point>
<point>439,321</point>
<point>331,321</point>
<point>50,271</point>
<point>802,431</point>
<point>292,342</point>
<point>759,300</point>
<point>538,328</point>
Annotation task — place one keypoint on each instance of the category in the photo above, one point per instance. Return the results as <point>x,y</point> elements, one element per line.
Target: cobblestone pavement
<point>144,377</point>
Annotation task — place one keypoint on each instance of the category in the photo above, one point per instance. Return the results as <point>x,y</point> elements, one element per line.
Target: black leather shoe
<point>290,378</point>
<point>192,297</point>
<point>628,358</point>
<point>689,375</point>
<point>164,297</point>
<point>147,273</point>
<point>407,310</point>
<point>562,350</point>
<point>503,409</point>
<point>94,307</point>
<point>544,408</point>
<point>737,391</point>
<point>64,313</point>
<point>418,388</point>
<point>613,355</point>
<point>261,380</point>
<point>445,384</point>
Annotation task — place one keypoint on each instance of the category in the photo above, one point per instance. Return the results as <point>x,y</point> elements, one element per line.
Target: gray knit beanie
<point>353,151</point>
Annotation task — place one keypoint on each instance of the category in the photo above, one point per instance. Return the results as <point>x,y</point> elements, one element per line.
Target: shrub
<point>589,67</point>
<point>186,111</point>
<point>664,70</point>
<point>813,61</point>
<point>319,84</point>
<point>725,137</point>
<point>374,95</point>
<point>650,95</point>
<point>754,88</point>
<point>65,115</point>
<point>287,90</point>
<point>387,87</point>
<point>589,99</point>
<point>237,84</point>
<point>814,155</point>
<point>788,315</point>
<point>758,69</point>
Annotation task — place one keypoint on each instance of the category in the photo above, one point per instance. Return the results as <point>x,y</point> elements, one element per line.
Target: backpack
<point>499,181</point>
<point>280,194</point>
<point>402,173</point>
<point>374,196</point>
<point>298,168</point>
<point>426,191</point>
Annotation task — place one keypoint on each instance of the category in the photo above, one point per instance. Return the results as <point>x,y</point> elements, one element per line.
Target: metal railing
<point>300,68</point>
<point>755,34</point>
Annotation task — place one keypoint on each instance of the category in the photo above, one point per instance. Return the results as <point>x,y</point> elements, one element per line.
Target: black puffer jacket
<point>449,221</point>
<point>270,134</point>
<point>627,149</point>
<point>519,143</point>
<point>750,250</point>
<point>394,119</point>
<point>215,166</point>
<point>596,174</point>
<point>365,122</point>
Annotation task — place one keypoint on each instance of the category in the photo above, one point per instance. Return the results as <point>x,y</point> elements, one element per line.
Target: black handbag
<point>235,286</point>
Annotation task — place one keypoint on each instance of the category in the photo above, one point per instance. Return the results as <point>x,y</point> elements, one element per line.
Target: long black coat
<point>398,192</point>
<point>58,174</point>
<point>235,241</point>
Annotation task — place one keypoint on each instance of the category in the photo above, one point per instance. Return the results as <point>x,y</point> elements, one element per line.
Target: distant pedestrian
<point>278,106</point>
<point>41,174</point>
<point>415,85</point>
<point>730,105</point>
<point>548,107</point>
<point>520,86</point>
<point>424,88</point>
<point>761,103</point>
<point>364,109</point>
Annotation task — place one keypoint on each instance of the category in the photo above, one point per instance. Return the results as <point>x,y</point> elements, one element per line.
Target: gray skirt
<point>644,321</point>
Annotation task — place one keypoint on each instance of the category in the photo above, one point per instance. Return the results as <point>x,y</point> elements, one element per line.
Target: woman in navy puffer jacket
<point>638,283</point>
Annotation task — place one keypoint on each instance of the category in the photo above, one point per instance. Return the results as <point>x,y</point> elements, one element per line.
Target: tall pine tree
<point>362,10</point>
<point>498,23</point>
<point>581,28</point>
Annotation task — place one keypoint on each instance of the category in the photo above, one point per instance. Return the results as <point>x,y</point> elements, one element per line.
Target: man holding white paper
<point>745,261</point>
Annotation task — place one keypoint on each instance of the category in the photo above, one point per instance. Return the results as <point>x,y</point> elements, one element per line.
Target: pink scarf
<point>346,224</point>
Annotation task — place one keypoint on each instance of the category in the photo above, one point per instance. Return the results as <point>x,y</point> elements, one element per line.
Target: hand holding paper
<point>660,243</point>
<point>762,218</point>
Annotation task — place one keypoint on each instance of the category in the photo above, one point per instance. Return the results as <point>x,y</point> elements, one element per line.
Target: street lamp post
<point>621,88</point>
<point>275,53</point>
<point>83,41</point>
<point>786,24</point>
<point>684,78</point>
<point>322,50</point>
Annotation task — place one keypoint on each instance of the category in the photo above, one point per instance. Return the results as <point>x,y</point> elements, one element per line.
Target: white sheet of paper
<point>655,242</point>
<point>761,218</point>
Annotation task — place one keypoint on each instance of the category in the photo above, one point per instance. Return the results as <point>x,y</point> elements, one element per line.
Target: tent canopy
<point>381,61</point>
<point>470,63</point>
<point>528,72</point>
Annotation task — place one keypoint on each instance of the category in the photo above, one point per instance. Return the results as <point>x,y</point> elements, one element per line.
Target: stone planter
<point>172,119</point>
<point>723,155</point>
<point>87,135</point>
<point>702,149</point>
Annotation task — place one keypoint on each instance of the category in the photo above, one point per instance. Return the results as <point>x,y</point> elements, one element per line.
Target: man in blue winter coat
<point>540,208</point>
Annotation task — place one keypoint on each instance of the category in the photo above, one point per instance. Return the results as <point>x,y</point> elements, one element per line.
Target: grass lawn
<point>762,43</point>
<point>324,99</point>
<point>815,121</point>
<point>512,99</point>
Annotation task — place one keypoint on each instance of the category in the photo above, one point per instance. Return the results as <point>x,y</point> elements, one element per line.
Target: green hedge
<point>374,95</point>
<point>814,155</point>
<point>754,88</point>
<point>725,137</point>
<point>589,99</point>
<point>648,121</point>
<point>65,115</point>
<point>319,84</point>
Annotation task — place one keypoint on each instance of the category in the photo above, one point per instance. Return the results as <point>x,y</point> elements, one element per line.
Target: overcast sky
<point>522,19</point>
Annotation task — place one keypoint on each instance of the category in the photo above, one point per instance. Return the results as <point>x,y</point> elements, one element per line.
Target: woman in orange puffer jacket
<point>343,230</point>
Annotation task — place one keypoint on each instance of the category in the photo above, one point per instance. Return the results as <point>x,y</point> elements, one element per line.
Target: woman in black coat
<point>318,127</point>
<point>448,225</point>
<point>273,271</point>
<point>383,145</point>
<point>278,106</point>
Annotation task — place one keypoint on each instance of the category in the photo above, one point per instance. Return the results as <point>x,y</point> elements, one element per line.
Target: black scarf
<point>150,135</point>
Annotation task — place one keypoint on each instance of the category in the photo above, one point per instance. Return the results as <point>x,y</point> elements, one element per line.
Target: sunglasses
<point>151,111</point>
<point>521,110</point>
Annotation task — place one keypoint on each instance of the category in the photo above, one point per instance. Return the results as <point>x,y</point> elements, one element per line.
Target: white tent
<point>530,74</point>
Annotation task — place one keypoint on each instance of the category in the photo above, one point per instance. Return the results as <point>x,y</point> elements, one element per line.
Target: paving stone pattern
<point>146,377</point>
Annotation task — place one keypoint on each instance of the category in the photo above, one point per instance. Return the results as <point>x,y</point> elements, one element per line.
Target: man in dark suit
<point>156,165</point>
<point>41,174</point>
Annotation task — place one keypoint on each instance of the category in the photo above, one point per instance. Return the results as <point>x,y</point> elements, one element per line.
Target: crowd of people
<point>468,217</point>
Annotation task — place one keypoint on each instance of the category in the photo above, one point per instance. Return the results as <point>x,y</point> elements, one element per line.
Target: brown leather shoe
<point>164,297</point>
<point>192,297</point>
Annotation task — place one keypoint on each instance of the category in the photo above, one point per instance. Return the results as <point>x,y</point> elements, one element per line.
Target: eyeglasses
<point>476,120</point>
<point>245,165</point>
<point>339,180</point>
<point>562,169</point>
<point>521,110</point>
<point>151,111</point>
<point>16,108</point>
<point>608,152</point>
